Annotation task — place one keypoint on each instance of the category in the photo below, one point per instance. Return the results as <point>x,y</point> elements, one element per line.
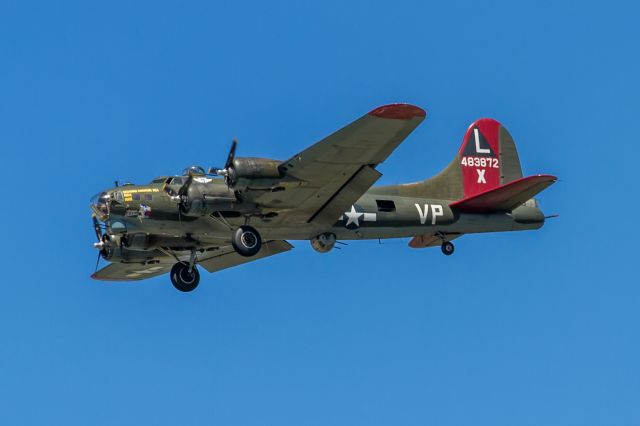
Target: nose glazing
<point>100,205</point>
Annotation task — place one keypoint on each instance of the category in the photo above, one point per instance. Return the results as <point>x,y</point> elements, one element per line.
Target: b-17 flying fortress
<point>248,209</point>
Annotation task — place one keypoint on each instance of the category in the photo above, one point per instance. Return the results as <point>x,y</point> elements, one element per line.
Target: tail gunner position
<point>248,209</point>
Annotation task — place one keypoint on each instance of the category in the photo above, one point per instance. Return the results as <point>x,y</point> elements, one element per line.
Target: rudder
<point>487,157</point>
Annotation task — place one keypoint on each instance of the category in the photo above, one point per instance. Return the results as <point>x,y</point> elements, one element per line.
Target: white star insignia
<point>353,216</point>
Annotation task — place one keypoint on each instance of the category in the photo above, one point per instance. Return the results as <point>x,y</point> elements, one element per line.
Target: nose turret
<point>100,205</point>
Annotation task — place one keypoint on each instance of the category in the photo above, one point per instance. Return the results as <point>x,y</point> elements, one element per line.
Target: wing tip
<point>99,278</point>
<point>548,177</point>
<point>398,111</point>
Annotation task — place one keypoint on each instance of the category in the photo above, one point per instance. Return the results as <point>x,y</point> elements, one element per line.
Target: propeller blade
<point>98,261</point>
<point>185,187</point>
<point>232,154</point>
<point>96,227</point>
<point>170,192</point>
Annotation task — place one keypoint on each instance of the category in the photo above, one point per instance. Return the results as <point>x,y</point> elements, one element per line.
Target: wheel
<point>447,248</point>
<point>246,241</point>
<point>184,280</point>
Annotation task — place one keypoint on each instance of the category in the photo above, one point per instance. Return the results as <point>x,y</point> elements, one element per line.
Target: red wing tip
<point>399,111</point>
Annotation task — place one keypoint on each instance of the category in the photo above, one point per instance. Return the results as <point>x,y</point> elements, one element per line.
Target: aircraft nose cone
<point>100,205</point>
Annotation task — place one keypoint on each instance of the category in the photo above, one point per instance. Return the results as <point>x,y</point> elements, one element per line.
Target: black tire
<point>447,248</point>
<point>183,280</point>
<point>246,241</point>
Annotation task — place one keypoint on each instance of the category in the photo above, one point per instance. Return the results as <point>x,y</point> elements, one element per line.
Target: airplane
<point>248,209</point>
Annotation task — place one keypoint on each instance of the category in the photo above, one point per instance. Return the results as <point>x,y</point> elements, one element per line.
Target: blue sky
<point>521,328</point>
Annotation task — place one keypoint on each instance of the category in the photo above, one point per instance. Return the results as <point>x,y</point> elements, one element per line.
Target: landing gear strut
<point>246,241</point>
<point>447,248</point>
<point>185,277</point>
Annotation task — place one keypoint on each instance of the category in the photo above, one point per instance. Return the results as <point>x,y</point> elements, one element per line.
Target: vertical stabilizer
<point>487,159</point>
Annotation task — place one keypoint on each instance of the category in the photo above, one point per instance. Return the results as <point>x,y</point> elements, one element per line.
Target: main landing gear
<point>185,278</point>
<point>184,275</point>
<point>447,248</point>
<point>246,241</point>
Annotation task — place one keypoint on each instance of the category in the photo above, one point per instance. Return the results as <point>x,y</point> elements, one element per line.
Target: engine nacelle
<point>323,242</point>
<point>115,250</point>
<point>137,241</point>
<point>204,198</point>
<point>253,168</point>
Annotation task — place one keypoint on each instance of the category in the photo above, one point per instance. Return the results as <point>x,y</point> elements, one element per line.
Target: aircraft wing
<point>222,258</point>
<point>134,271</point>
<point>228,257</point>
<point>329,176</point>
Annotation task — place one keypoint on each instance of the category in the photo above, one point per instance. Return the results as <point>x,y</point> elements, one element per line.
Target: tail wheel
<point>246,241</point>
<point>447,248</point>
<point>183,279</point>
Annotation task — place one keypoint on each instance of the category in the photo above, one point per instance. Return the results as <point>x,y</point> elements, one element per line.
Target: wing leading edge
<point>336,171</point>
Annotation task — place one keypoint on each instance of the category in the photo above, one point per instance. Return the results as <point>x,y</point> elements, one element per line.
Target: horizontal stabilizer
<point>506,197</point>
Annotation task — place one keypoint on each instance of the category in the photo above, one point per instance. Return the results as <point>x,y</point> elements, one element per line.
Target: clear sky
<point>534,328</point>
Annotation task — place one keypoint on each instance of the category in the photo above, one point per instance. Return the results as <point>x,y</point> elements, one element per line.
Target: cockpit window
<point>193,170</point>
<point>176,181</point>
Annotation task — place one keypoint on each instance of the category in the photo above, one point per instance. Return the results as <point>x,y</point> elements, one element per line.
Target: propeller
<point>181,196</point>
<point>232,154</point>
<point>100,244</point>
<point>97,228</point>
<point>227,165</point>
<point>184,189</point>
<point>98,261</point>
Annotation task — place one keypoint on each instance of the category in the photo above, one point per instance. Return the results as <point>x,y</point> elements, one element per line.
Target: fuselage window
<point>148,197</point>
<point>136,197</point>
<point>386,206</point>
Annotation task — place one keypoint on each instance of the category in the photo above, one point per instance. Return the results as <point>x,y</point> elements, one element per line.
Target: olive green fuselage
<point>149,210</point>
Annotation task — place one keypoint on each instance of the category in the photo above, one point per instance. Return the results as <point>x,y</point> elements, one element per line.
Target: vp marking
<point>481,173</point>
<point>436,212</point>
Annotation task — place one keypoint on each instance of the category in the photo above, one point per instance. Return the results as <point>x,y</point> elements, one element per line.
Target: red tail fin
<point>486,160</point>
<point>488,157</point>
